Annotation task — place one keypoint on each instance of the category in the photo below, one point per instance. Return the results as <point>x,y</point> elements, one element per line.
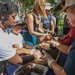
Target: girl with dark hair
<point>8,11</point>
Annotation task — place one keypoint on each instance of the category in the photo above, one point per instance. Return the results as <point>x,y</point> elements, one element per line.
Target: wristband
<point>27,59</point>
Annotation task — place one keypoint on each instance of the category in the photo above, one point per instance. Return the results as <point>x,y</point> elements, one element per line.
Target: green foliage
<point>51,1</point>
<point>27,4</point>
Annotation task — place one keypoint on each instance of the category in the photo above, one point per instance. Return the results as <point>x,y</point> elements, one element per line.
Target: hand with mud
<point>48,38</point>
<point>45,46</point>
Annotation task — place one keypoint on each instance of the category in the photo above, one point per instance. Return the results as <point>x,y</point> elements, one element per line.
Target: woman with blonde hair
<point>39,8</point>
<point>33,20</point>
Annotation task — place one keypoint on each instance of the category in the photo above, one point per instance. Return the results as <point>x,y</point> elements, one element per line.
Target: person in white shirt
<point>18,42</point>
<point>16,37</point>
<point>8,11</point>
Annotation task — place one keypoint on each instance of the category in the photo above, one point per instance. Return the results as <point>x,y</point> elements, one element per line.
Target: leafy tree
<point>27,4</point>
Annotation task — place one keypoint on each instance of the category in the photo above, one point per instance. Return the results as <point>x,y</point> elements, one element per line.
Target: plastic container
<point>37,69</point>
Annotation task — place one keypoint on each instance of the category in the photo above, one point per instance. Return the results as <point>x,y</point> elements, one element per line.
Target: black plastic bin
<point>22,69</point>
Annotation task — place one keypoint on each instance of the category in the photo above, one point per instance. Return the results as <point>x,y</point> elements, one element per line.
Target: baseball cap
<point>59,6</point>
<point>19,22</point>
<point>68,3</point>
<point>48,6</point>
